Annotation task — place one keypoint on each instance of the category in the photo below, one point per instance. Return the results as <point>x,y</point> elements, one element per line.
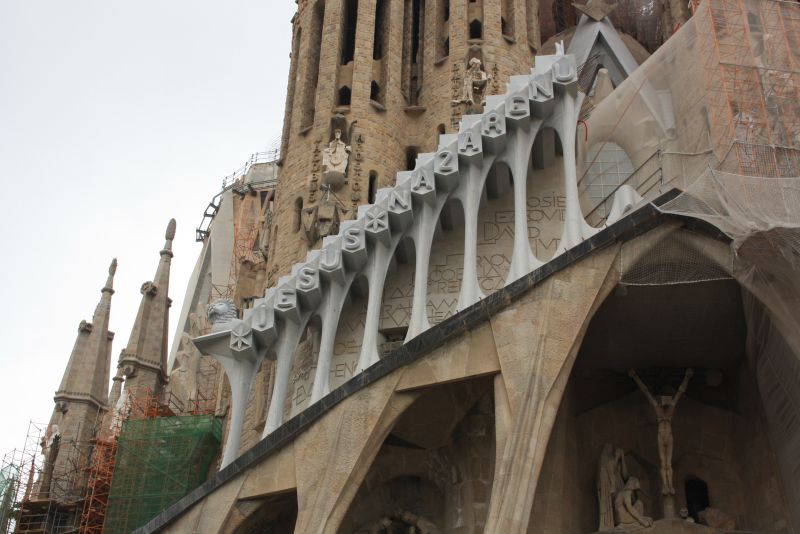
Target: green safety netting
<point>158,462</point>
<point>9,477</point>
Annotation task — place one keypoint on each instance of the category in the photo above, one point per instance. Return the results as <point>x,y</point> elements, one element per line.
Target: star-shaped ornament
<point>240,337</point>
<point>596,9</point>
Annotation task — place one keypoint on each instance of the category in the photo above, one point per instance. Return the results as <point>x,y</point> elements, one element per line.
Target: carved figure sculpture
<point>611,473</point>
<point>220,314</point>
<point>475,80</point>
<point>184,373</point>
<point>665,409</point>
<point>334,161</point>
<point>630,511</point>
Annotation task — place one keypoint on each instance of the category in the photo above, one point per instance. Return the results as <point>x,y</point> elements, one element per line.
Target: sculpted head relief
<point>220,314</point>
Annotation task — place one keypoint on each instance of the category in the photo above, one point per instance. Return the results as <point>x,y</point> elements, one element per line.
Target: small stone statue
<point>334,161</point>
<point>665,409</point>
<point>475,80</point>
<point>611,473</point>
<point>184,372</point>
<point>630,510</point>
<point>220,314</point>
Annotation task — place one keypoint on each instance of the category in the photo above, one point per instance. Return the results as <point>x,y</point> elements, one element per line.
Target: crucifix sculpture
<point>665,409</point>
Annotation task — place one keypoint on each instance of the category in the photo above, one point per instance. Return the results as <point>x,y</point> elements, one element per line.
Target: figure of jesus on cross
<point>665,409</point>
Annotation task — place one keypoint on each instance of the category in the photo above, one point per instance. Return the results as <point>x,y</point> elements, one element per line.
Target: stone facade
<point>455,353</point>
<point>389,130</point>
<point>455,356</point>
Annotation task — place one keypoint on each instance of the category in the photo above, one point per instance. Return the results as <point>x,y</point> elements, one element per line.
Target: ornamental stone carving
<point>149,289</point>
<point>334,161</point>
<point>475,80</point>
<point>611,475</point>
<point>221,313</point>
<point>629,509</point>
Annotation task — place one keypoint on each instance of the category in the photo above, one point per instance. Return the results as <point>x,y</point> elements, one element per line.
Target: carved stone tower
<point>372,84</point>
<point>143,363</point>
<point>80,400</point>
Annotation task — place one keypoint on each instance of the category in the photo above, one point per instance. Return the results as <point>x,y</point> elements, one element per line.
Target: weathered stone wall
<point>384,131</point>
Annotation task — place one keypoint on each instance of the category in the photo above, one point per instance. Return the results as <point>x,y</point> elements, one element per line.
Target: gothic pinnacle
<point>169,236</point>
<point>112,270</point>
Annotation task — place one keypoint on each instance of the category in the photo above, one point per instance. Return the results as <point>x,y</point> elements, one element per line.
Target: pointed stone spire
<point>144,361</point>
<point>86,376</point>
<point>82,397</point>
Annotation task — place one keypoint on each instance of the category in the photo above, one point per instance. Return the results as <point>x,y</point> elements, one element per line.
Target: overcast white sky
<point>116,115</point>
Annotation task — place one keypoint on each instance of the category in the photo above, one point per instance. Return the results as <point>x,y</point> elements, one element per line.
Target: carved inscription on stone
<point>456,82</point>
<point>546,207</point>
<point>358,171</point>
<point>316,169</point>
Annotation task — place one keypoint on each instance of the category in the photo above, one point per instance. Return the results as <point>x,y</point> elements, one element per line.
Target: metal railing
<point>232,182</point>
<point>270,156</point>
<point>644,178</point>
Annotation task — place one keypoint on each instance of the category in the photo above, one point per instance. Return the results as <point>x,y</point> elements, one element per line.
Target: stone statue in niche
<point>630,510</point>
<point>475,81</point>
<point>665,410</point>
<point>334,161</point>
<point>611,475</point>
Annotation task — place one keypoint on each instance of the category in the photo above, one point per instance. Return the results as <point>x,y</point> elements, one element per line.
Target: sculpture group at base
<point>619,507</point>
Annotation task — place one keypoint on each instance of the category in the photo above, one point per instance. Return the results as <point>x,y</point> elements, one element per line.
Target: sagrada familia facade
<point>521,267</point>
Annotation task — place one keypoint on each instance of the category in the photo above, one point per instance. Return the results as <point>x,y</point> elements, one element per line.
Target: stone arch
<point>304,363</point>
<point>708,331</point>
<point>344,96</point>
<point>435,466</point>
<point>495,228</point>
<point>476,29</point>
<point>445,269</point>
<point>279,512</point>
<point>545,194</point>
<point>349,333</point>
<point>398,293</point>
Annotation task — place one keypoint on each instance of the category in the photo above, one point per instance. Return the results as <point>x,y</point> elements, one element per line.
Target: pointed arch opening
<point>413,50</point>
<point>350,333</point>
<point>398,292</point>
<point>546,195</point>
<point>446,267</point>
<point>350,19</point>
<point>278,511</point>
<point>476,29</point>
<point>314,36</point>
<point>495,229</point>
<point>344,96</point>
<point>372,187</point>
<point>434,470</point>
<point>710,327</point>
<point>304,363</point>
